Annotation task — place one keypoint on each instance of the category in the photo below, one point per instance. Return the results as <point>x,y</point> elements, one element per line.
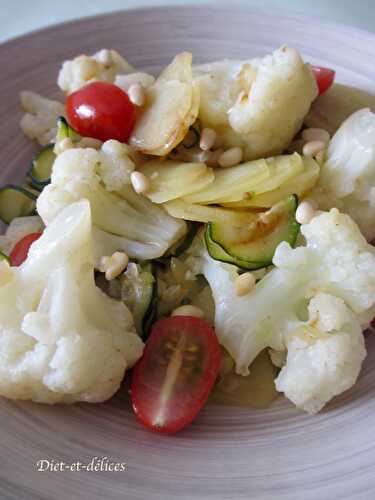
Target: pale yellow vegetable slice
<point>202,213</point>
<point>173,179</point>
<point>172,105</point>
<point>244,181</point>
<point>299,185</point>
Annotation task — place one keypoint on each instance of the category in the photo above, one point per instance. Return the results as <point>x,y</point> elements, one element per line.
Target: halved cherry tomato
<point>101,110</point>
<point>21,249</point>
<point>324,78</point>
<point>175,375</point>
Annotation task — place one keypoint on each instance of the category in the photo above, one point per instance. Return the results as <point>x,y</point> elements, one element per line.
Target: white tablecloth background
<point>20,16</point>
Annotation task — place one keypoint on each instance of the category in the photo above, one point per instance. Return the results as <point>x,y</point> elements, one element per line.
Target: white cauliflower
<point>259,104</point>
<point>323,358</point>
<point>123,220</point>
<point>347,179</point>
<point>62,339</point>
<point>315,303</point>
<point>104,66</point>
<point>40,118</point>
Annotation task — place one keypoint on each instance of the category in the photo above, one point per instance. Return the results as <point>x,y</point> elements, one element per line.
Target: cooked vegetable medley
<point>201,225</point>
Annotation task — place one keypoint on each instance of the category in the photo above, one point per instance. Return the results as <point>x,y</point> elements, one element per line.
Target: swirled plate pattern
<point>228,453</point>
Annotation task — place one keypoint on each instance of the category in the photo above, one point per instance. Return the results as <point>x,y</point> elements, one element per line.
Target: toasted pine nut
<point>313,147</point>
<point>114,265</point>
<point>231,157</point>
<point>305,212</point>
<point>188,310</point>
<point>140,182</point>
<point>315,134</point>
<point>207,140</point>
<point>244,284</point>
<point>213,159</point>
<point>136,94</point>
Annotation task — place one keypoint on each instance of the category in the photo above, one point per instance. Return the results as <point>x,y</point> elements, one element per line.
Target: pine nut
<point>315,134</point>
<point>244,284</point>
<point>304,213</point>
<point>213,159</point>
<point>188,310</point>
<point>231,157</point>
<point>140,182</point>
<point>136,94</point>
<point>114,265</point>
<point>313,147</point>
<point>207,140</point>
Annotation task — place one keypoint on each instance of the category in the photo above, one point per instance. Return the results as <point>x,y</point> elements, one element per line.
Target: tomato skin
<point>20,251</point>
<point>194,379</point>
<point>324,78</point>
<point>101,110</point>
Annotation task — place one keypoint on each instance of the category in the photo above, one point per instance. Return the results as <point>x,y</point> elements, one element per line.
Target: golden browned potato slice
<point>172,105</point>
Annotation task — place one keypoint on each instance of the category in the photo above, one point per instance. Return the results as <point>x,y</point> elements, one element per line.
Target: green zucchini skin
<point>41,167</point>
<point>217,252</point>
<point>16,201</point>
<point>4,257</point>
<point>255,253</point>
<point>64,131</point>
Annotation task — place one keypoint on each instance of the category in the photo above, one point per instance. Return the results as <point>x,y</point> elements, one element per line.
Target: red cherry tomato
<point>175,375</point>
<point>21,249</point>
<point>101,110</point>
<point>324,78</point>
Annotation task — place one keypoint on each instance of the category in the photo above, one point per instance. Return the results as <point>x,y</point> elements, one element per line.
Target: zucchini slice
<point>41,167</point>
<point>255,244</point>
<point>3,257</point>
<point>15,201</point>
<point>218,253</point>
<point>139,293</point>
<point>64,130</point>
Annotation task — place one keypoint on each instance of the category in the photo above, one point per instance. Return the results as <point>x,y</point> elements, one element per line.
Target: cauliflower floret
<point>62,339</point>
<point>40,118</point>
<point>347,179</point>
<point>115,165</point>
<point>123,220</point>
<point>258,105</point>
<point>104,66</point>
<point>323,360</point>
<point>331,280</point>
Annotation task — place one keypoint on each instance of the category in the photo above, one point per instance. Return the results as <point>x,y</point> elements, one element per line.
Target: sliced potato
<point>172,105</point>
<point>244,181</point>
<point>173,179</point>
<point>202,213</point>
<point>299,185</point>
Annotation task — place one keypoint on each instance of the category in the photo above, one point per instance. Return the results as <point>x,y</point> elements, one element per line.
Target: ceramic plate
<point>228,453</point>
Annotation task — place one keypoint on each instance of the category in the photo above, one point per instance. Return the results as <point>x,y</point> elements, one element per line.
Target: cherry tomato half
<point>101,110</point>
<point>175,375</point>
<point>324,78</point>
<point>19,253</point>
